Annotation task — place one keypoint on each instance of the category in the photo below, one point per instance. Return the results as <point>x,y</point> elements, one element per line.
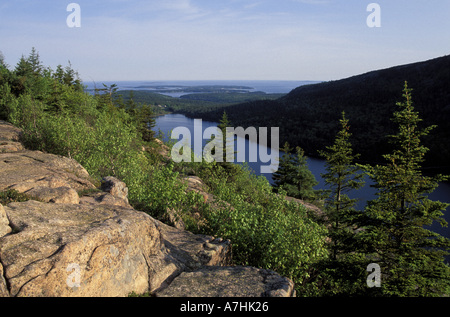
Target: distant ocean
<point>267,86</point>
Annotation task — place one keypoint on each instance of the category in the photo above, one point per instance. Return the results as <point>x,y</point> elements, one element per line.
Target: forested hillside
<point>309,115</point>
<point>193,104</point>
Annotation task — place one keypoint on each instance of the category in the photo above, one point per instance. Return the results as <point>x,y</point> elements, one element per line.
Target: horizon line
<point>160,80</point>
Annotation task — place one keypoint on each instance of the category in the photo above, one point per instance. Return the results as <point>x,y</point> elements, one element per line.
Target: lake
<point>167,123</point>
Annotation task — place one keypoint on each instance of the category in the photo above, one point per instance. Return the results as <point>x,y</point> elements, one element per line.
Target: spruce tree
<point>224,123</point>
<point>108,99</point>
<point>342,272</point>
<point>342,176</point>
<point>35,62</point>
<point>411,257</point>
<point>293,174</point>
<point>146,122</point>
<point>30,77</point>
<point>285,167</point>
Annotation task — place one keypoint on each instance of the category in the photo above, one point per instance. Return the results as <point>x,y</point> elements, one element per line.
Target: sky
<point>120,40</point>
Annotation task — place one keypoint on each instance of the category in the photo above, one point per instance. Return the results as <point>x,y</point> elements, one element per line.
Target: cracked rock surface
<point>228,282</point>
<point>107,247</point>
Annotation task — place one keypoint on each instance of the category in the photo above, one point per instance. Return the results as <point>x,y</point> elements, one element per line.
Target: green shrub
<point>265,229</point>
<point>161,190</point>
<point>10,196</point>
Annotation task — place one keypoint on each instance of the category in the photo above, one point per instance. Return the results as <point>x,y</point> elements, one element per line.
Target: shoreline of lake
<point>317,166</point>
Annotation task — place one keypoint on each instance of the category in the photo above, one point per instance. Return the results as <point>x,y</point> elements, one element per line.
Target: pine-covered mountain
<point>309,115</point>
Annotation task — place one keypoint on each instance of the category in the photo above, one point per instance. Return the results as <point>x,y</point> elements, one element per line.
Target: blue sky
<point>226,39</point>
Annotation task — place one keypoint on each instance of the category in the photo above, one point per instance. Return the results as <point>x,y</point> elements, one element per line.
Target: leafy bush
<point>160,190</point>
<point>266,230</point>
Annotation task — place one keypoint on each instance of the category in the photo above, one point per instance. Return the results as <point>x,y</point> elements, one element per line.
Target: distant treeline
<point>194,104</point>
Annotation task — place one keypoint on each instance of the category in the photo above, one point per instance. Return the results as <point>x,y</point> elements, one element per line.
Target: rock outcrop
<point>33,171</point>
<point>9,138</point>
<point>228,282</point>
<point>74,239</point>
<point>115,187</point>
<point>4,222</point>
<point>77,250</point>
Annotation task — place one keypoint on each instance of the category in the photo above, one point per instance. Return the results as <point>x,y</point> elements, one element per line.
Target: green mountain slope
<point>194,104</point>
<point>309,115</point>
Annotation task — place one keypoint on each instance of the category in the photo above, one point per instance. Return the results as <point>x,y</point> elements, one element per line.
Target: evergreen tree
<point>341,274</point>
<point>21,73</point>
<point>285,167</point>
<point>35,62</point>
<point>68,76</point>
<point>142,114</point>
<point>146,122</point>
<point>342,176</point>
<point>130,105</point>
<point>293,174</point>
<point>5,80</point>
<point>5,73</point>
<point>30,76</point>
<point>107,97</point>
<point>224,123</point>
<point>411,257</point>
<point>30,67</point>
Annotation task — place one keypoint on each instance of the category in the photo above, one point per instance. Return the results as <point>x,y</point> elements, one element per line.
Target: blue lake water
<point>167,123</point>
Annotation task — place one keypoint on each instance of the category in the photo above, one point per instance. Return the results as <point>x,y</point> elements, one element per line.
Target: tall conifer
<point>343,273</point>
<point>411,257</point>
<point>342,176</point>
<point>293,174</point>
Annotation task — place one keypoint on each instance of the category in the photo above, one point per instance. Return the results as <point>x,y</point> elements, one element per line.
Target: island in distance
<point>196,89</point>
